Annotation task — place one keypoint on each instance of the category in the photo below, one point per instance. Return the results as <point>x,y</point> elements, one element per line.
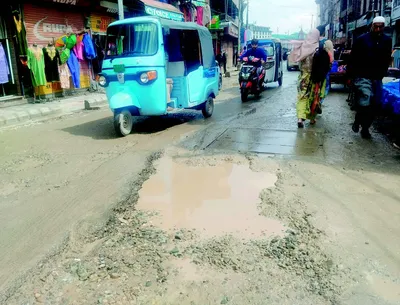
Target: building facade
<point>225,28</point>
<point>345,20</point>
<point>260,32</point>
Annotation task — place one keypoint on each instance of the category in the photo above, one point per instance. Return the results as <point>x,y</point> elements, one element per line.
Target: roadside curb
<point>39,112</point>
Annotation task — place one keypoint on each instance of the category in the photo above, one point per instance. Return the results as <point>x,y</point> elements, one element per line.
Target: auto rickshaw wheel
<point>123,123</point>
<point>208,107</point>
<point>280,80</point>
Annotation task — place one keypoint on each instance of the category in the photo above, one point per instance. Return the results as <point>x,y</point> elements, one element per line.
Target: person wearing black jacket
<point>369,61</point>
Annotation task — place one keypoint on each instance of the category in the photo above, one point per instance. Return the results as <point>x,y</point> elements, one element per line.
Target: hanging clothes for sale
<point>4,68</point>
<point>73,65</point>
<point>199,20</point>
<point>51,61</point>
<point>206,15</point>
<point>36,65</point>
<point>64,55</point>
<point>20,33</point>
<point>78,49</point>
<point>88,47</point>
<point>98,61</point>
<point>64,76</point>
<point>71,41</point>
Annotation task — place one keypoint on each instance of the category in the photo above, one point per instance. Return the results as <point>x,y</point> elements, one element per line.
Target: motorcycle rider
<point>256,53</point>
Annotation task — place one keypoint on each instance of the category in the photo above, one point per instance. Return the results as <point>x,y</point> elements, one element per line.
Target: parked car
<point>290,64</point>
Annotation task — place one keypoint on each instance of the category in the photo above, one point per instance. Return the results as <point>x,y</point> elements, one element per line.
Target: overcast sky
<point>287,15</point>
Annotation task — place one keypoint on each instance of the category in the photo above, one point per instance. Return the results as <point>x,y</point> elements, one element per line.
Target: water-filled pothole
<point>215,200</point>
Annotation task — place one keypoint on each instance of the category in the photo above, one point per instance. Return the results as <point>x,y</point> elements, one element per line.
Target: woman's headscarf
<point>305,48</point>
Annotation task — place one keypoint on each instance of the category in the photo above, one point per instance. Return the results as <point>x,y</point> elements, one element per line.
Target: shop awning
<point>162,10</point>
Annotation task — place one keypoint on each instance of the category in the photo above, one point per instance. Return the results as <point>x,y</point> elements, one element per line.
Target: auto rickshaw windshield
<point>132,40</point>
<point>269,48</point>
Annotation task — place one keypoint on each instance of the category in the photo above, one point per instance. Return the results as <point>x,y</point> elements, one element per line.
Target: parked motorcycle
<point>248,79</point>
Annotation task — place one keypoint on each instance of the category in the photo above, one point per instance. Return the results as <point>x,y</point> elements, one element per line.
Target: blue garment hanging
<point>88,47</point>
<point>73,65</point>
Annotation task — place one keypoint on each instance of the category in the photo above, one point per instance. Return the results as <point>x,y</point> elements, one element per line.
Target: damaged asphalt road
<point>242,209</point>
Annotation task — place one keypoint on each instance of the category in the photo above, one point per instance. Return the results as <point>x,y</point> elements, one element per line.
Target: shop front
<point>217,33</point>
<point>55,35</point>
<point>230,42</point>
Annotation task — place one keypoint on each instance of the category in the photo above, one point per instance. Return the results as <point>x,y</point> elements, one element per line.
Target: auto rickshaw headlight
<point>148,76</point>
<point>102,81</point>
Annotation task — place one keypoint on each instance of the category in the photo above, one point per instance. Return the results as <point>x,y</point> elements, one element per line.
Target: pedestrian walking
<point>328,45</point>
<point>369,61</point>
<point>224,60</point>
<point>314,65</point>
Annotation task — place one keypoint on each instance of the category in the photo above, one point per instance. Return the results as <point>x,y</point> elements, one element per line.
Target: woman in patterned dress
<point>309,94</point>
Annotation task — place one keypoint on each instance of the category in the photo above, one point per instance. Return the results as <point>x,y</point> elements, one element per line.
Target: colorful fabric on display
<point>36,64</point>
<point>89,50</point>
<point>61,42</point>
<point>78,49</point>
<point>71,41</point>
<point>4,69</point>
<point>20,33</point>
<point>64,76</point>
<point>51,61</point>
<point>73,65</point>
<point>199,15</point>
<point>64,55</point>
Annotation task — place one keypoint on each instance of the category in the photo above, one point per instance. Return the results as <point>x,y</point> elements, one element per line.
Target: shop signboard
<point>44,25</point>
<point>363,21</point>
<point>351,26</point>
<point>70,2</point>
<point>111,7</point>
<point>163,13</point>
<point>215,22</point>
<point>79,3</point>
<point>199,3</point>
<point>232,30</point>
<point>99,23</point>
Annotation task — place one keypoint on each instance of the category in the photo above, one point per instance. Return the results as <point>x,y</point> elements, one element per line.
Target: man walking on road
<point>368,65</point>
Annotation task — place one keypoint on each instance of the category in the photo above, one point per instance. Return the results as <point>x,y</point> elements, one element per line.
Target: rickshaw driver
<point>256,53</point>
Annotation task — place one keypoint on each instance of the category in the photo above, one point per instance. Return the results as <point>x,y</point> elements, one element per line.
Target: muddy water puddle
<point>214,200</point>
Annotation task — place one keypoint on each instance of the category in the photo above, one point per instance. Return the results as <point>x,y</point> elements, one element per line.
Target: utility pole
<point>312,21</point>
<point>240,26</point>
<point>120,9</point>
<point>247,17</point>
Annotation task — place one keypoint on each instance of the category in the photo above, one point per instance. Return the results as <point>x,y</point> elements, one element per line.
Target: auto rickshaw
<point>153,66</point>
<point>273,65</point>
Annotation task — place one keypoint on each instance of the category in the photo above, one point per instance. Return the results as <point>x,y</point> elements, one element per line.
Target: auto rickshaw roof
<point>165,23</point>
<point>204,34</point>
